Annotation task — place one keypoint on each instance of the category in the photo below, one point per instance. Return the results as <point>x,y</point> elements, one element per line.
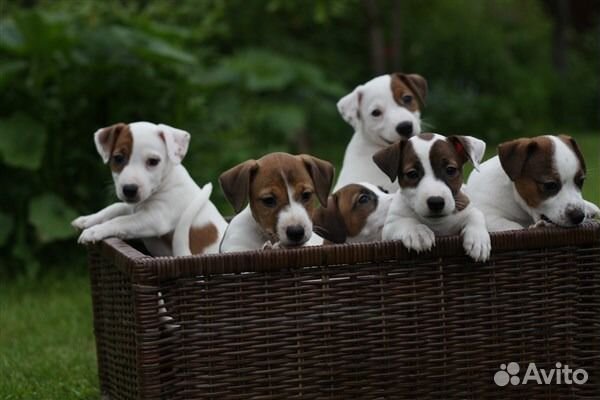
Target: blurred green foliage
<point>247,78</point>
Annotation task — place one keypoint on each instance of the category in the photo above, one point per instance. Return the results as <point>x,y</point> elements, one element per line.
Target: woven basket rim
<point>133,261</point>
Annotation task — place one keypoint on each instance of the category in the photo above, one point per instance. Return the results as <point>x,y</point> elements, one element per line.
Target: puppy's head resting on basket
<point>355,213</point>
<point>280,190</point>
<point>547,173</point>
<point>140,155</point>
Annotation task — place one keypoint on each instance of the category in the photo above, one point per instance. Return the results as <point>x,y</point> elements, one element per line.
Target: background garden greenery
<point>245,78</point>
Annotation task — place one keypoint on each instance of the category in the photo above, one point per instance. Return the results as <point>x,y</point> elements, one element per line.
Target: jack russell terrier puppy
<point>431,199</point>
<point>354,214</point>
<point>381,111</point>
<point>532,182</point>
<point>155,192</point>
<point>280,190</point>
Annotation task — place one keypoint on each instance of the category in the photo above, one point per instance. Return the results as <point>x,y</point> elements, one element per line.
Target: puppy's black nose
<point>435,203</point>
<point>576,216</point>
<point>295,232</point>
<point>405,128</point>
<point>130,191</point>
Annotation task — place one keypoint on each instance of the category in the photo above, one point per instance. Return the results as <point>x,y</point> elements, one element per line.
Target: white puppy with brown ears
<point>533,181</point>
<point>280,190</point>
<point>381,111</point>
<point>431,199</point>
<point>155,190</point>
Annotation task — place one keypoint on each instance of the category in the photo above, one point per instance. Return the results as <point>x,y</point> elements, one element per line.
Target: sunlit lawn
<point>46,341</point>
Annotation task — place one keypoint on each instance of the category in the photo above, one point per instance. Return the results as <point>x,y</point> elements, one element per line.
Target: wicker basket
<point>364,321</point>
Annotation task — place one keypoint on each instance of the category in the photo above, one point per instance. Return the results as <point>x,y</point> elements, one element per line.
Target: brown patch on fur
<point>201,238</point>
<point>345,216</point>
<point>270,177</point>
<point>122,145</point>
<point>355,214</point>
<point>396,160</point>
<point>528,163</point>
<point>409,84</point>
<point>461,201</point>
<point>443,155</point>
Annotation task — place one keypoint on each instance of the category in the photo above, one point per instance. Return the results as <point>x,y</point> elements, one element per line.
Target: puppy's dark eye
<point>118,159</point>
<point>451,171</point>
<point>363,199</point>
<point>153,162</point>
<point>412,174</point>
<point>376,112</point>
<point>551,187</point>
<point>269,201</point>
<point>306,196</point>
<point>579,181</point>
<point>407,99</point>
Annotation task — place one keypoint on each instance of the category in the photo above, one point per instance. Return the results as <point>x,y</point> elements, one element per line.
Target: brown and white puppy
<point>280,190</point>
<point>532,181</point>
<point>355,213</point>
<point>381,111</point>
<point>431,199</point>
<point>155,191</point>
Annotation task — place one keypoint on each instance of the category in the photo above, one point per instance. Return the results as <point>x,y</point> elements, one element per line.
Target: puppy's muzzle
<point>295,233</point>
<point>130,192</point>
<point>436,204</point>
<point>405,129</point>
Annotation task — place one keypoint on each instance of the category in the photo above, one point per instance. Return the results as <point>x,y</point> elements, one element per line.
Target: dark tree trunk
<point>560,13</point>
<point>376,37</point>
<point>396,27</point>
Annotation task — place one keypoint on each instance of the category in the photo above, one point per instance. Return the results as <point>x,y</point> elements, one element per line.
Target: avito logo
<point>561,375</point>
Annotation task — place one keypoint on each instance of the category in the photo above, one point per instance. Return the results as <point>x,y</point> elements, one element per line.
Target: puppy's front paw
<point>591,210</point>
<point>419,238</point>
<point>540,224</point>
<point>92,235</point>
<point>270,245</point>
<point>83,222</point>
<point>477,244</point>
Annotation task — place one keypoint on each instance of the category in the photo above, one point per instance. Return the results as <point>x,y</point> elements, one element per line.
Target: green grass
<point>46,339</point>
<point>47,347</point>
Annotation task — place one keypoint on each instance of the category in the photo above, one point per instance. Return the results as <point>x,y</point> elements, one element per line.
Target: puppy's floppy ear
<point>176,140</point>
<point>105,139</point>
<point>321,173</point>
<point>514,154</point>
<point>575,147</point>
<point>417,84</point>
<point>235,183</point>
<point>348,107</point>
<point>469,148</point>
<point>328,222</point>
<point>388,159</point>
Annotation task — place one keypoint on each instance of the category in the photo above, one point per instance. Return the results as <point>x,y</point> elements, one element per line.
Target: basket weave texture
<point>364,321</point>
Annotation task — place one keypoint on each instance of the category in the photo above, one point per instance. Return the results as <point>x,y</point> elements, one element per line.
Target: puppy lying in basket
<point>156,191</point>
<point>532,182</point>
<point>354,214</point>
<point>280,190</point>
<point>431,199</point>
